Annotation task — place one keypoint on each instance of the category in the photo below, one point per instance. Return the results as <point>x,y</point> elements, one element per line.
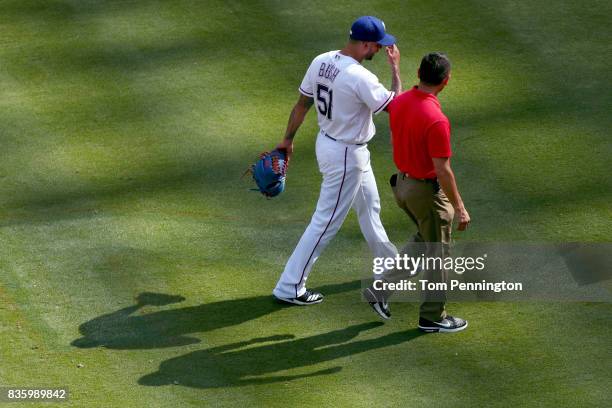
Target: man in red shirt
<point>425,186</point>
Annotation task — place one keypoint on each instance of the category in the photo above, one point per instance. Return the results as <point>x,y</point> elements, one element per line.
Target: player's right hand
<point>464,219</point>
<point>393,55</point>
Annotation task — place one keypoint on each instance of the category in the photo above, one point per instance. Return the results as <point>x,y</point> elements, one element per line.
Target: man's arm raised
<point>393,58</point>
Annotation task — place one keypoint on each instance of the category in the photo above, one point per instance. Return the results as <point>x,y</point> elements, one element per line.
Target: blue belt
<point>335,140</point>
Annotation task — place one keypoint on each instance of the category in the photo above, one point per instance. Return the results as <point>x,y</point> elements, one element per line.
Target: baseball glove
<point>269,172</point>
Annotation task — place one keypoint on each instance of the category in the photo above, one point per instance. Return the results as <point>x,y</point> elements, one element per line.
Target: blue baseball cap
<point>369,28</point>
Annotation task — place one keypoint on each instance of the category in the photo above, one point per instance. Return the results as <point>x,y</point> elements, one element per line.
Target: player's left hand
<point>287,146</point>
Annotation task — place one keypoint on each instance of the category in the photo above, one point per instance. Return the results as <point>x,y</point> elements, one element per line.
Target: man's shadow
<point>237,364</point>
<point>123,329</point>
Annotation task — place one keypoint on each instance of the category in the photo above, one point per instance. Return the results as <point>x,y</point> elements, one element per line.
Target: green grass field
<point>136,267</point>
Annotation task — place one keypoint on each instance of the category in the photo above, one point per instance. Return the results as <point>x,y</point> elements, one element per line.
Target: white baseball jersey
<point>346,95</point>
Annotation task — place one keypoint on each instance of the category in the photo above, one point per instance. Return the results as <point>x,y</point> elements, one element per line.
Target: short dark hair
<point>434,68</point>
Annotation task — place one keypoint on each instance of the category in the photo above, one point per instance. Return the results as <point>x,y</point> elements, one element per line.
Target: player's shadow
<point>126,329</point>
<point>237,364</point>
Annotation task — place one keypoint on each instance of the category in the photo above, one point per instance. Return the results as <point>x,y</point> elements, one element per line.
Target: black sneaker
<point>308,298</point>
<point>449,324</point>
<point>377,302</point>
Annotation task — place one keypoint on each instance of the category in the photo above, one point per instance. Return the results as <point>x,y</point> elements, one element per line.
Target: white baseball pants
<point>348,181</point>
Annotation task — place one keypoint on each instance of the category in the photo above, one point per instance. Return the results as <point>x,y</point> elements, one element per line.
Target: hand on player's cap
<point>393,55</point>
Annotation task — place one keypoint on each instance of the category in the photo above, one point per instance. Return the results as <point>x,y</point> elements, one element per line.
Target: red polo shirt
<point>419,131</point>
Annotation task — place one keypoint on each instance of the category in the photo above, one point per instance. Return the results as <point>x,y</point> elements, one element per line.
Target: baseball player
<point>345,95</point>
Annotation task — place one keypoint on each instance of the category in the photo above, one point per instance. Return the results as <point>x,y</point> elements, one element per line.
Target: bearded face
<point>373,48</point>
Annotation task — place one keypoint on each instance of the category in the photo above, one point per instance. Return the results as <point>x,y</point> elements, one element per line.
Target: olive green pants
<point>429,208</point>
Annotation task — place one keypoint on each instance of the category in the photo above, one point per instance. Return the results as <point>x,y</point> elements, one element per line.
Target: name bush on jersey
<point>328,71</point>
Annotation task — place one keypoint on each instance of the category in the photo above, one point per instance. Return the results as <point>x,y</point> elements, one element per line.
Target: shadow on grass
<point>233,365</point>
<point>124,330</point>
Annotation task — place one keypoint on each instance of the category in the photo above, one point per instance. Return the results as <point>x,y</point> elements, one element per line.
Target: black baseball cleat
<point>449,324</point>
<point>377,302</point>
<point>308,298</point>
